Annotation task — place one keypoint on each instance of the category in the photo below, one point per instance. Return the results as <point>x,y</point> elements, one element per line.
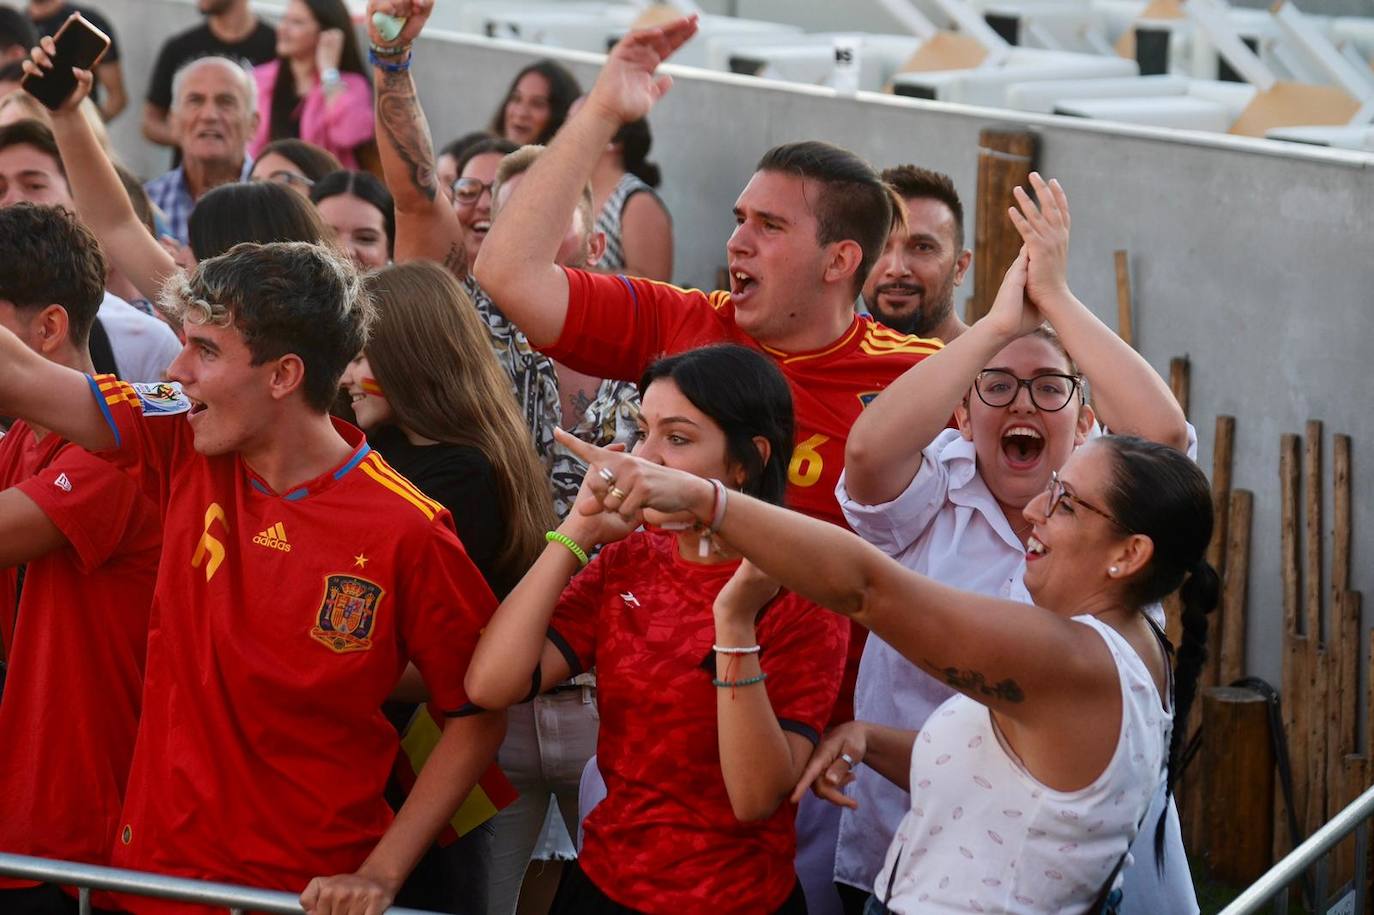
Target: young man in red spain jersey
<point>75,637</point>
<point>299,574</point>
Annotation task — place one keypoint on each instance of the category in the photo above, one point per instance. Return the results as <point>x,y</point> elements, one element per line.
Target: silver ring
<point>607,474</point>
<point>848,760</point>
<point>617,492</point>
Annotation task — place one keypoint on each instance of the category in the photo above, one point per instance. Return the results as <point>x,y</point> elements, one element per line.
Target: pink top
<point>340,125</point>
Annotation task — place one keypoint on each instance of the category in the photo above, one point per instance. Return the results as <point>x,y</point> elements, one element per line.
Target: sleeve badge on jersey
<point>347,615</point>
<point>161,399</point>
<point>866,397</point>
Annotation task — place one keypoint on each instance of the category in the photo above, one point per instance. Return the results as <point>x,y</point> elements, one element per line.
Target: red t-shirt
<point>281,623</point>
<point>617,325</point>
<point>665,839</point>
<point>70,708</point>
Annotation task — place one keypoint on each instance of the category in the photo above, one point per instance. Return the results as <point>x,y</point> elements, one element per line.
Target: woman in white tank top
<point>1027,788</point>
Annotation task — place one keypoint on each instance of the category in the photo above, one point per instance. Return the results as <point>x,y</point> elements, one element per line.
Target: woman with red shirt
<point>713,686</point>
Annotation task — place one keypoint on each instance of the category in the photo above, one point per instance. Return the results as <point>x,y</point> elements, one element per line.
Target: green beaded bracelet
<point>734,683</point>
<point>571,544</point>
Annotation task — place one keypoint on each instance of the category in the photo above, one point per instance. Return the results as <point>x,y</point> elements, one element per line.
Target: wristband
<point>380,64</point>
<point>330,77</point>
<point>389,50</point>
<point>717,507</point>
<point>730,649</point>
<point>571,544</point>
<point>732,684</point>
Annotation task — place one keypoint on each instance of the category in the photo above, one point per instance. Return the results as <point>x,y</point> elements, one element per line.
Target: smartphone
<point>79,44</point>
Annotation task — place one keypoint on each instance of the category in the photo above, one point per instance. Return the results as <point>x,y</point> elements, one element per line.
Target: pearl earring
<point>1113,570</point>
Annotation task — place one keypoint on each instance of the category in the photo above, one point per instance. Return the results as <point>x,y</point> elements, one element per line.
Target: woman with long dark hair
<point>536,104</point>
<point>698,756</point>
<point>1028,786</point>
<point>317,89</point>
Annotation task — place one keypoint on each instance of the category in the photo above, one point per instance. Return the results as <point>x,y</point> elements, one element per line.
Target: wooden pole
<point>1005,160</point>
<point>1235,588</point>
<point>1312,506</point>
<point>1340,504</point>
<point>1345,769</point>
<point>1223,448</point>
<point>1238,768</point>
<point>1180,381</point>
<point>1294,683</point>
<point>1125,326</point>
<point>1317,677</point>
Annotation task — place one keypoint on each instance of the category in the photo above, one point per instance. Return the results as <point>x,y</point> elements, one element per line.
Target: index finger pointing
<point>584,451</point>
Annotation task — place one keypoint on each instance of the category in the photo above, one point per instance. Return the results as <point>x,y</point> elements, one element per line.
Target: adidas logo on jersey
<point>274,538</point>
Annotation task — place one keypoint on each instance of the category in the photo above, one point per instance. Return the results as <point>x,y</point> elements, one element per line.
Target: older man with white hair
<point>214,112</point>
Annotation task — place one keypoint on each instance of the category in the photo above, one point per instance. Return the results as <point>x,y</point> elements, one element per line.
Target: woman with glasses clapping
<point>953,503</point>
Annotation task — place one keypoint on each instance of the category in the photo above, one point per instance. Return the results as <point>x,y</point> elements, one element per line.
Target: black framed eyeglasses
<point>468,191</point>
<point>1050,392</point>
<point>1059,494</point>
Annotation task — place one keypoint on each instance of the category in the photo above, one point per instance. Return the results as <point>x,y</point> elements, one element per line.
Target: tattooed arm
<point>426,226</point>
<point>1022,661</point>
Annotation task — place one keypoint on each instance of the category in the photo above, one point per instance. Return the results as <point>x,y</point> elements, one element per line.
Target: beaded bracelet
<point>748,681</point>
<point>382,50</point>
<point>731,649</point>
<point>571,544</point>
<point>376,61</point>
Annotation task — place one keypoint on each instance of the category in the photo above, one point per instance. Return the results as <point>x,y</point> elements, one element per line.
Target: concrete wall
<point>1253,258</point>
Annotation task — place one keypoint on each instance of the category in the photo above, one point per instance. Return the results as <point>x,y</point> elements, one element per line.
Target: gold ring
<point>617,492</point>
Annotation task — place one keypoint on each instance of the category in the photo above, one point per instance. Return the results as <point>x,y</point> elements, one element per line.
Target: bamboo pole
<point>1294,683</point>
<point>1125,325</point>
<point>1005,159</point>
<point>1180,381</point>
<point>1235,588</point>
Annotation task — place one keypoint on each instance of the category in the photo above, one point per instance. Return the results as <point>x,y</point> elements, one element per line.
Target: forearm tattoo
<point>974,682</point>
<point>398,112</point>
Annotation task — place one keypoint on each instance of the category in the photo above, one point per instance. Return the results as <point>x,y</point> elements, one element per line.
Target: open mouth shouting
<point>742,285</point>
<point>1022,446</point>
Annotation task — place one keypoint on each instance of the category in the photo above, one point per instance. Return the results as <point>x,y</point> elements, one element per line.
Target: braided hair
<point>1160,493</point>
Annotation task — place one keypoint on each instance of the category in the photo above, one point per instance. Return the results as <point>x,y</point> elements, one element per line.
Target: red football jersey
<point>617,325</point>
<point>665,839</point>
<point>281,623</point>
<point>71,701</point>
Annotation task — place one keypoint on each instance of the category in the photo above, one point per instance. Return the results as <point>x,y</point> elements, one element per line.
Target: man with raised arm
<point>87,542</point>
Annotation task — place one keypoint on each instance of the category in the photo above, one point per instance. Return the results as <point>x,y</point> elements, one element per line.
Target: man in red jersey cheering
<point>88,540</point>
<point>299,576</point>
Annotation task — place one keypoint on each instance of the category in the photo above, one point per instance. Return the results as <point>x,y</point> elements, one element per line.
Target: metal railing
<point>87,877</point>
<point>1274,884</point>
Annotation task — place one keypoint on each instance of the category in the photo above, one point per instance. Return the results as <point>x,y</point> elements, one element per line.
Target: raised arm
<point>883,452</point>
<point>1017,659</point>
<point>101,201</point>
<point>517,264</point>
<point>426,226</point>
<point>1128,395</point>
<point>49,395</point>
